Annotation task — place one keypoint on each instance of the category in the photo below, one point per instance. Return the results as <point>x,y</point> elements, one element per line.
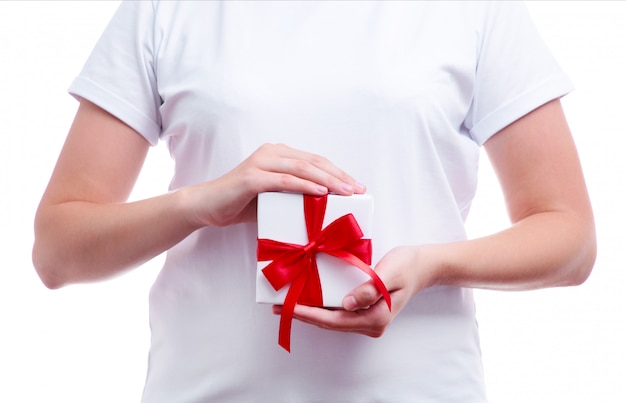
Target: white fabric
<point>400,95</point>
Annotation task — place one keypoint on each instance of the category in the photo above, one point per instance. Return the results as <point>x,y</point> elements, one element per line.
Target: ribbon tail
<point>286,315</point>
<point>311,295</point>
<point>355,261</point>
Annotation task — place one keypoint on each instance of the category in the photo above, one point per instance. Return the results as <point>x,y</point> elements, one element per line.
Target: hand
<point>404,271</point>
<point>273,167</point>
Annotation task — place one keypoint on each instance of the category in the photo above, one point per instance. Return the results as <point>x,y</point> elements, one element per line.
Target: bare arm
<point>551,242</point>
<point>85,230</point>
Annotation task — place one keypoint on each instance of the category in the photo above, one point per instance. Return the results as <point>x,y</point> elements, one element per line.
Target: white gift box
<point>281,218</point>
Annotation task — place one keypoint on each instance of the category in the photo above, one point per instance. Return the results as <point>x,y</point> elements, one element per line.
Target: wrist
<point>414,267</point>
<point>431,263</point>
<point>217,203</point>
<point>185,204</point>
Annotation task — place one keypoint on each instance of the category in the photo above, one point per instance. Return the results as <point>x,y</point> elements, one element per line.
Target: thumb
<point>361,297</point>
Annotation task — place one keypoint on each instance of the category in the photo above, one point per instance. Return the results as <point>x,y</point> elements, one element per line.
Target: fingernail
<point>349,303</point>
<point>322,190</point>
<point>360,187</point>
<point>347,188</point>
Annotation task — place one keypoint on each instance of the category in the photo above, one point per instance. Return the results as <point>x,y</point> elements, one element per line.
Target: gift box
<point>281,218</point>
<point>312,251</point>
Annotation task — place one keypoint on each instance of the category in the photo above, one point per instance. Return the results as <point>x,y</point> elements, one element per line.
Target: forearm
<point>80,241</point>
<point>546,249</point>
<point>552,240</point>
<point>86,236</point>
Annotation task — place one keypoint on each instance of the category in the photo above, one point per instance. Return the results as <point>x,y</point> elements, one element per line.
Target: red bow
<point>297,264</point>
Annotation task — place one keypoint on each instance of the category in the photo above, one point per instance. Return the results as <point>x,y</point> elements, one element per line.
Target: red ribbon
<point>296,264</point>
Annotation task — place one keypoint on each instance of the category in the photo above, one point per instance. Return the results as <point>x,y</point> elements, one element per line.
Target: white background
<point>89,343</point>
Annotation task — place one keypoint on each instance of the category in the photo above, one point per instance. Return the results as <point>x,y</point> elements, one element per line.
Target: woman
<point>400,96</point>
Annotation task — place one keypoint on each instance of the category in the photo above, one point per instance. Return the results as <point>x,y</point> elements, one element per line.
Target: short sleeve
<point>515,74</point>
<point>119,75</point>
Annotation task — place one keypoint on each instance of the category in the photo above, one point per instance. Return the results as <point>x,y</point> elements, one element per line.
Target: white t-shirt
<point>400,95</point>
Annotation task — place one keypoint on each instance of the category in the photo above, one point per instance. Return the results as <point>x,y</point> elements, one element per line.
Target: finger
<point>371,322</point>
<point>313,168</point>
<point>318,161</point>
<point>361,297</point>
<point>388,271</point>
<point>285,182</point>
<point>321,317</point>
<point>309,171</point>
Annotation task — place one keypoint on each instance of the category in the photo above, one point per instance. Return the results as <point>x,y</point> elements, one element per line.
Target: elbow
<point>47,254</point>
<point>48,279</point>
<point>585,271</point>
<point>50,283</point>
<point>46,271</point>
<point>585,261</point>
